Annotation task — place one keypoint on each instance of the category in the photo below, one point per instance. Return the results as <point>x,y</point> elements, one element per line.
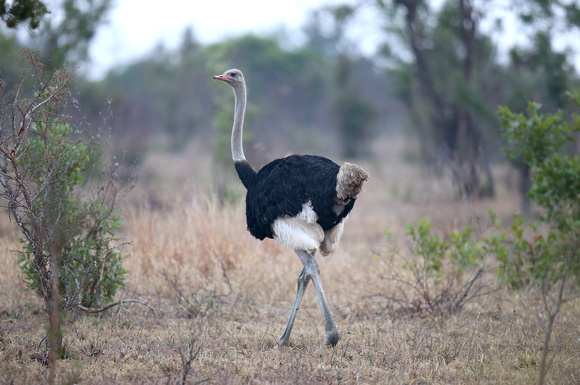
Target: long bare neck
<point>237,130</point>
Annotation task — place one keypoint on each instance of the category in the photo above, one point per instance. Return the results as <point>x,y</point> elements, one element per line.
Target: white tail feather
<point>300,232</point>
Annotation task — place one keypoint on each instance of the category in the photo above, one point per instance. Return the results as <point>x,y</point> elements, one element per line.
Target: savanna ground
<point>219,299</point>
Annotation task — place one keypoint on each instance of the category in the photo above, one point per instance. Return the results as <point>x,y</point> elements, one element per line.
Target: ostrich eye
<point>233,74</point>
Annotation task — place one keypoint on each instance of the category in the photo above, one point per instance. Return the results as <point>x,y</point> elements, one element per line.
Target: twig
<point>552,314</point>
<point>457,303</point>
<point>119,303</point>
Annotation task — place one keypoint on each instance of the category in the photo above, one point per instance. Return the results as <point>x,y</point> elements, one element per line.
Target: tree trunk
<point>55,350</point>
<point>457,135</point>
<point>524,187</point>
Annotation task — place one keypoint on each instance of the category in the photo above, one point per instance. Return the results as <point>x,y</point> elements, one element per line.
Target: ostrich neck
<point>237,130</point>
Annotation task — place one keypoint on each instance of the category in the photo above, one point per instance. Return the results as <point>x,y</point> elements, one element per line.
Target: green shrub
<point>56,160</point>
<point>552,251</point>
<point>445,272</point>
<point>550,260</point>
<point>60,195</point>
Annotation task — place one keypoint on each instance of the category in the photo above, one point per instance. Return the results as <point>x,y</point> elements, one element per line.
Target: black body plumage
<point>281,188</point>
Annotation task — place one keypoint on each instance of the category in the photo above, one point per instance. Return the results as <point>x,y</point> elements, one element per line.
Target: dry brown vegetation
<point>220,299</point>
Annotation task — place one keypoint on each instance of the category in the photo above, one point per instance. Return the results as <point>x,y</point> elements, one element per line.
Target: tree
<point>20,11</point>
<point>9,65</point>
<point>69,256</point>
<point>189,102</point>
<point>550,261</point>
<point>162,95</point>
<point>288,89</point>
<point>64,41</point>
<point>539,69</point>
<point>448,57</point>
<point>354,114</point>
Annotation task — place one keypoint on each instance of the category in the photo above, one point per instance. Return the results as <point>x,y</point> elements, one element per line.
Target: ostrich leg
<point>303,281</point>
<point>312,270</point>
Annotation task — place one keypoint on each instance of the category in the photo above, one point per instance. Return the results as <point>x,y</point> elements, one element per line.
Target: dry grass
<point>222,299</point>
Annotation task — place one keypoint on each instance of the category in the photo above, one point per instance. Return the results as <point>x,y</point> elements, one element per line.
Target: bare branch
<point>118,303</point>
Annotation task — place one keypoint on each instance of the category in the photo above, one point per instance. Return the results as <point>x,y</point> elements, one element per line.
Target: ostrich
<point>301,201</point>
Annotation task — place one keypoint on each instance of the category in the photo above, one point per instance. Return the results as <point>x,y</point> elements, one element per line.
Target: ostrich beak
<point>221,77</point>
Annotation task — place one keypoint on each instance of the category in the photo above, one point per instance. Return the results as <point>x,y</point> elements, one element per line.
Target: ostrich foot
<point>332,338</point>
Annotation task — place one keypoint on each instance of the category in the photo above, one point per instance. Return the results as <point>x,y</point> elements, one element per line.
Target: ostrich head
<point>232,77</point>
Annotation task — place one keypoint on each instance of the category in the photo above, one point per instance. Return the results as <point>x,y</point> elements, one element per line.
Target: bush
<point>553,251</point>
<point>446,272</point>
<point>550,261</point>
<point>69,255</point>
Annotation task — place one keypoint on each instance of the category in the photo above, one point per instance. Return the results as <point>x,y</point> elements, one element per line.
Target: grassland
<point>219,299</point>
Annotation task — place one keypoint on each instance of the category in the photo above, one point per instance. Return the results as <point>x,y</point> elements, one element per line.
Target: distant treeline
<point>437,77</point>
<point>297,98</point>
